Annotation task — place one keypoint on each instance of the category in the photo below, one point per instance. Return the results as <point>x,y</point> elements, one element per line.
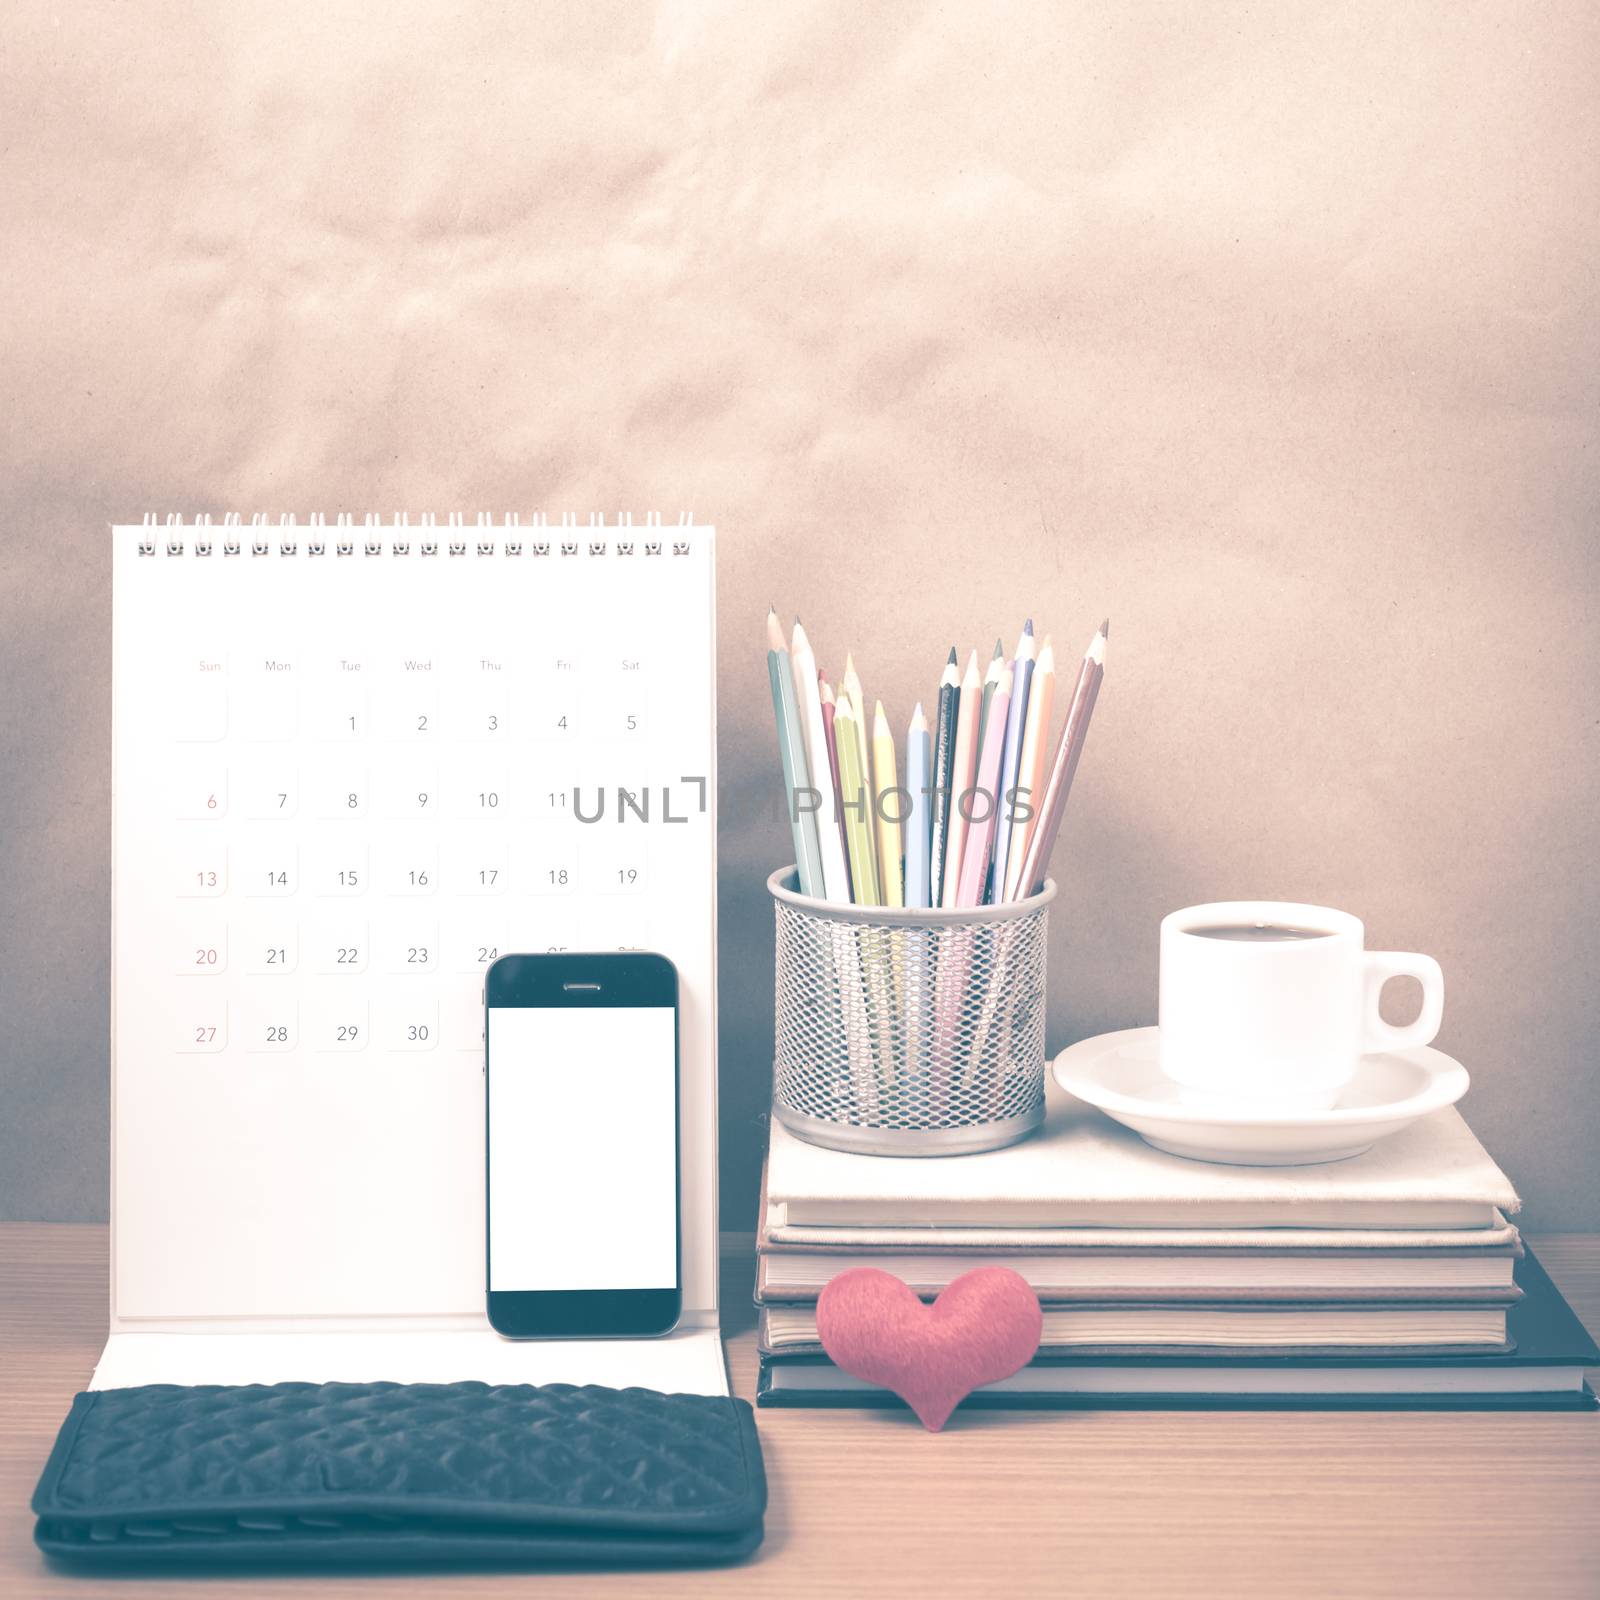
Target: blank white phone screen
<point>583,1170</point>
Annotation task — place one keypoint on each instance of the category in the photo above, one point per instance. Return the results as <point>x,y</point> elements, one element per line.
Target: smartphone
<point>581,1088</point>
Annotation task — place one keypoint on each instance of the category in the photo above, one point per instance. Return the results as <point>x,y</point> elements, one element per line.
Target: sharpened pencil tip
<point>1105,628</point>
<point>1027,627</point>
<point>999,650</point>
<point>952,660</point>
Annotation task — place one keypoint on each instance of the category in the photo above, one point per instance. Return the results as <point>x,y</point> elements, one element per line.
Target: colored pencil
<point>830,842</point>
<point>857,804</point>
<point>991,677</point>
<point>830,726</point>
<point>796,767</point>
<point>1031,774</point>
<point>944,752</point>
<point>962,767</point>
<point>919,816</point>
<point>980,837</point>
<point>850,689</point>
<point>1068,751</point>
<point>1011,760</point>
<point>886,804</point>
<point>969,814</point>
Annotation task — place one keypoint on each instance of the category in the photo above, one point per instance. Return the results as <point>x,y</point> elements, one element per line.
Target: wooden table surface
<point>1141,1505</point>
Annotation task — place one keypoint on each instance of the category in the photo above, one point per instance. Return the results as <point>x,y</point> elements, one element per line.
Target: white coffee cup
<point>1279,1022</point>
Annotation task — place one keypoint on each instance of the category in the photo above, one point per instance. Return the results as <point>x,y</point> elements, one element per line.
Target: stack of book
<point>1393,1278</point>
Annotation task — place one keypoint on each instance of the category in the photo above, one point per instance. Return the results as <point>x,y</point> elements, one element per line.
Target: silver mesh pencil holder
<point>909,1033</point>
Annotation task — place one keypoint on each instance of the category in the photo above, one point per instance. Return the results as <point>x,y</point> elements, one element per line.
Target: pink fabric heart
<point>985,1326</point>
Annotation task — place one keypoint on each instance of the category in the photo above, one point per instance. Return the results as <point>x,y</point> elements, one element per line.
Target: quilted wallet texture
<point>386,1473</point>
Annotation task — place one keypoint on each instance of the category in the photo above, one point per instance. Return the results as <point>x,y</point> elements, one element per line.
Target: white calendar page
<point>344,783</point>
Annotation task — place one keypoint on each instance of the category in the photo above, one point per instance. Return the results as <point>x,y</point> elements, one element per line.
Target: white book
<point>1209,1327</point>
<point>1179,1382</point>
<point>1083,1170</point>
<point>1500,1235</point>
<point>1157,1274</point>
<point>1544,1368</point>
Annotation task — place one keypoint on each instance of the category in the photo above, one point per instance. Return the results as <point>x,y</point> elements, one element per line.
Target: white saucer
<point>1121,1074</point>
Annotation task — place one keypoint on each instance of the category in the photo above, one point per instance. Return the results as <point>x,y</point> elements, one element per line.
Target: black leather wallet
<point>381,1473</point>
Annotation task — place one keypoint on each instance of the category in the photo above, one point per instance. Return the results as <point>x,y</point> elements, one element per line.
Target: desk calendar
<point>353,765</point>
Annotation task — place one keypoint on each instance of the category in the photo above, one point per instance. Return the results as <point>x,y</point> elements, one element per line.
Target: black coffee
<point>1259,932</point>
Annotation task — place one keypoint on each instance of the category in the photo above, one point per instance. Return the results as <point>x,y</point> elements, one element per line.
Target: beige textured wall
<point>1269,330</point>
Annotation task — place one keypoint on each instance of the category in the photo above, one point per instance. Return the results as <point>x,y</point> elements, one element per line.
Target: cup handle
<point>1381,965</point>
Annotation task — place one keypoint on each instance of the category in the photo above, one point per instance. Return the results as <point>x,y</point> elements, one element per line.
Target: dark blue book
<point>1543,1371</point>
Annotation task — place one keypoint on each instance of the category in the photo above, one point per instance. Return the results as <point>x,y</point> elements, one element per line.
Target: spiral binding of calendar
<point>393,537</point>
